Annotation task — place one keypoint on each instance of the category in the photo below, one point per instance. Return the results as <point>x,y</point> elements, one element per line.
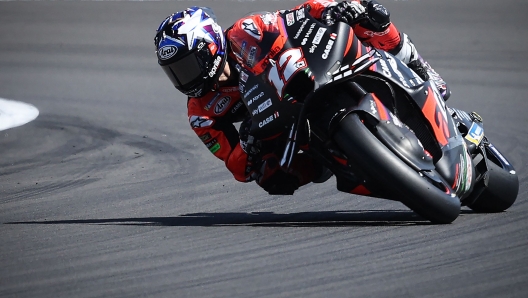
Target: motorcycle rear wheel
<point>395,177</point>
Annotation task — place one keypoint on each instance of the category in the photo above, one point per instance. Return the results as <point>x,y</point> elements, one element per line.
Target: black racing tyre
<point>396,177</point>
<point>501,192</point>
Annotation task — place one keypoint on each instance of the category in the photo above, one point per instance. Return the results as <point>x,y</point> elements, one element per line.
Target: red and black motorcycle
<point>373,122</point>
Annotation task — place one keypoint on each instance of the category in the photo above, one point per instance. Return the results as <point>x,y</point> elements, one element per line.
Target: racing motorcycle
<point>373,122</point>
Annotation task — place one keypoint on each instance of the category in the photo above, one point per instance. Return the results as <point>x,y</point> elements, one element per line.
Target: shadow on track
<point>263,219</point>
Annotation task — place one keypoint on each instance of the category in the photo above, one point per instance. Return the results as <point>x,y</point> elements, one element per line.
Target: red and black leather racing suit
<point>212,116</point>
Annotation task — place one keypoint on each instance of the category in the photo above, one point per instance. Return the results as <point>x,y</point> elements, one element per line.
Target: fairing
<point>315,58</point>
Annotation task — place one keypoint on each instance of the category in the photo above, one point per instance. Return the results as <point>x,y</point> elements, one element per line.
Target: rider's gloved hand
<point>251,146</point>
<point>265,168</point>
<point>247,141</point>
<point>378,17</point>
<point>348,12</point>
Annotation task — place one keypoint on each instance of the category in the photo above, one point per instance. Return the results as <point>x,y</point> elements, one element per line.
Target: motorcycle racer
<point>202,61</point>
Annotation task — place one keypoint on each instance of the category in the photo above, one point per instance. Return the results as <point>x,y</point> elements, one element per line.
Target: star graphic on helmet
<point>193,27</point>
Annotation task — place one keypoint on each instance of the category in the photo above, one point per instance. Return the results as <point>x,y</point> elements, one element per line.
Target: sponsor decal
<point>290,20</point>
<point>251,101</point>
<point>250,90</point>
<point>215,148</point>
<point>300,14</point>
<point>243,49</point>
<point>216,63</point>
<point>475,134</point>
<point>299,32</point>
<point>265,62</point>
<point>249,26</point>
<point>195,90</point>
<point>251,56</point>
<point>200,121</point>
<point>201,45</point>
<point>268,18</point>
<point>236,107</point>
<point>211,102</point>
<point>222,105</point>
<point>205,137</point>
<point>385,69</point>
<point>229,89</point>
<point>319,35</point>
<point>211,143</point>
<point>212,48</point>
<point>167,52</point>
<point>329,46</point>
<point>374,33</point>
<point>274,51</point>
<point>308,33</point>
<point>269,119</point>
<point>243,76</point>
<point>264,105</point>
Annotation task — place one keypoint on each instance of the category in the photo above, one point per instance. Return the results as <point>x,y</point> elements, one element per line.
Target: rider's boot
<point>406,52</point>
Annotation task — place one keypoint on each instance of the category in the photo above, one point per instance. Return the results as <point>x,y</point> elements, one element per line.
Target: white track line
<point>15,113</point>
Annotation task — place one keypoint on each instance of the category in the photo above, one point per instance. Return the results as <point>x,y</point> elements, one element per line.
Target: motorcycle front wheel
<point>401,182</point>
<point>501,190</point>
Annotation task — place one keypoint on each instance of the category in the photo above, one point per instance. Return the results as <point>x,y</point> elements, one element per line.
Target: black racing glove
<point>348,12</point>
<point>265,168</point>
<point>378,17</point>
<point>251,146</point>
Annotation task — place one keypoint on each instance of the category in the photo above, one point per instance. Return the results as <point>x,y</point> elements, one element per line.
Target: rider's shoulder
<point>254,23</point>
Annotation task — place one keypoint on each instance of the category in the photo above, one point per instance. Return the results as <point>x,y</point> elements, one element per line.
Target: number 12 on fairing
<point>282,70</point>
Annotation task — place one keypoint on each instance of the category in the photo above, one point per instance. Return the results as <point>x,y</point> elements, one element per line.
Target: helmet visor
<point>185,70</point>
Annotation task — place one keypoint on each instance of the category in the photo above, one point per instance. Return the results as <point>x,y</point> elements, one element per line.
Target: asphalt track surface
<point>108,193</point>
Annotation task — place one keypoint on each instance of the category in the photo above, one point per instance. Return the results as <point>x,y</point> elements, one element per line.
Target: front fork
<point>481,150</point>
